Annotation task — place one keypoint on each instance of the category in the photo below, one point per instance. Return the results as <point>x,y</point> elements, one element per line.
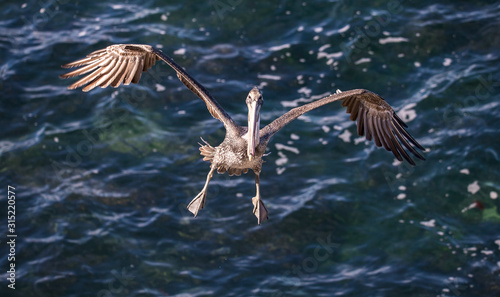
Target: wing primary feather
<point>89,77</point>
<point>361,119</point>
<point>91,85</point>
<point>400,121</point>
<point>98,52</point>
<point>84,61</point>
<point>105,73</point>
<point>131,71</point>
<point>348,103</point>
<point>115,71</point>
<point>376,135</point>
<point>403,140</point>
<point>368,126</point>
<point>146,64</point>
<point>77,63</point>
<point>121,73</point>
<point>383,137</point>
<point>407,135</point>
<point>390,142</point>
<point>355,110</point>
<point>139,71</point>
<point>91,66</point>
<point>395,146</point>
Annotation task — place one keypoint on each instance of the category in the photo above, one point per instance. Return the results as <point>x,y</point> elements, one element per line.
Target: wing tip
<point>400,120</point>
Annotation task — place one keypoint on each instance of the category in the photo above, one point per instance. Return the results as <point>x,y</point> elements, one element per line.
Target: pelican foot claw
<point>259,209</point>
<point>197,203</point>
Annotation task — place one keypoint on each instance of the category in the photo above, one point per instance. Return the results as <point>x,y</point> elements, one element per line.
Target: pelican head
<point>254,102</point>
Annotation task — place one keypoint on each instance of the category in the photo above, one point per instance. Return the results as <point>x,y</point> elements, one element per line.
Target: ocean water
<point>101,180</point>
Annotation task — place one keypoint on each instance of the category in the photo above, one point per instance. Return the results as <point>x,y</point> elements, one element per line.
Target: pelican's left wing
<point>124,63</point>
<point>375,118</point>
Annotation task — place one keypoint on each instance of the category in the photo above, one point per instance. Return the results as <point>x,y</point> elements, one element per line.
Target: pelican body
<point>243,147</point>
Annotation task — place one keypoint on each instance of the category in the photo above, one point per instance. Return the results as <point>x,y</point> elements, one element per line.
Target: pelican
<point>243,147</point>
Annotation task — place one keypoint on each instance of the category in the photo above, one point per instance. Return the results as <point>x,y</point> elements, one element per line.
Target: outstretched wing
<point>375,119</point>
<point>124,63</point>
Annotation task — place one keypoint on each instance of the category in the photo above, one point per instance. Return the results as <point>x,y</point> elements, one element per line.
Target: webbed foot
<point>259,209</point>
<point>197,203</point>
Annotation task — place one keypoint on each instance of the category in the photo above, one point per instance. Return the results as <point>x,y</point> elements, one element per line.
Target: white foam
<point>269,76</point>
<point>471,206</point>
<point>392,40</point>
<point>473,188</point>
<point>282,160</point>
<point>292,149</point>
<point>160,88</point>
<point>447,62</point>
<point>396,162</point>
<point>362,60</point>
<point>180,51</point>
<point>430,223</point>
<point>305,90</point>
<point>408,114</point>
<point>279,47</point>
<point>295,103</point>
<point>346,136</point>
<point>280,170</point>
<point>344,29</point>
<point>359,140</point>
<point>329,56</point>
<point>323,47</point>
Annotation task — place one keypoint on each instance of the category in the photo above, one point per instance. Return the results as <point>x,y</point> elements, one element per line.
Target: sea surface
<point>100,181</point>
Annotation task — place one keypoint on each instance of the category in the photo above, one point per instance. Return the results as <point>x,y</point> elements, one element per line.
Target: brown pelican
<point>243,147</point>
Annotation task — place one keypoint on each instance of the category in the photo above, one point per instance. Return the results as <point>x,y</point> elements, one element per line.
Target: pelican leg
<point>197,203</point>
<point>259,209</point>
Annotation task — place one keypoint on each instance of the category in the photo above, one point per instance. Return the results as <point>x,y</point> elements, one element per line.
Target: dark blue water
<point>102,178</point>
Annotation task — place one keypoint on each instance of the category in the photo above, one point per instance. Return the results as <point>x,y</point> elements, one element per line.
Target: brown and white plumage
<point>243,147</point>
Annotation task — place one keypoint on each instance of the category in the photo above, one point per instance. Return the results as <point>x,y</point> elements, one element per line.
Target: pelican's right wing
<point>124,63</point>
